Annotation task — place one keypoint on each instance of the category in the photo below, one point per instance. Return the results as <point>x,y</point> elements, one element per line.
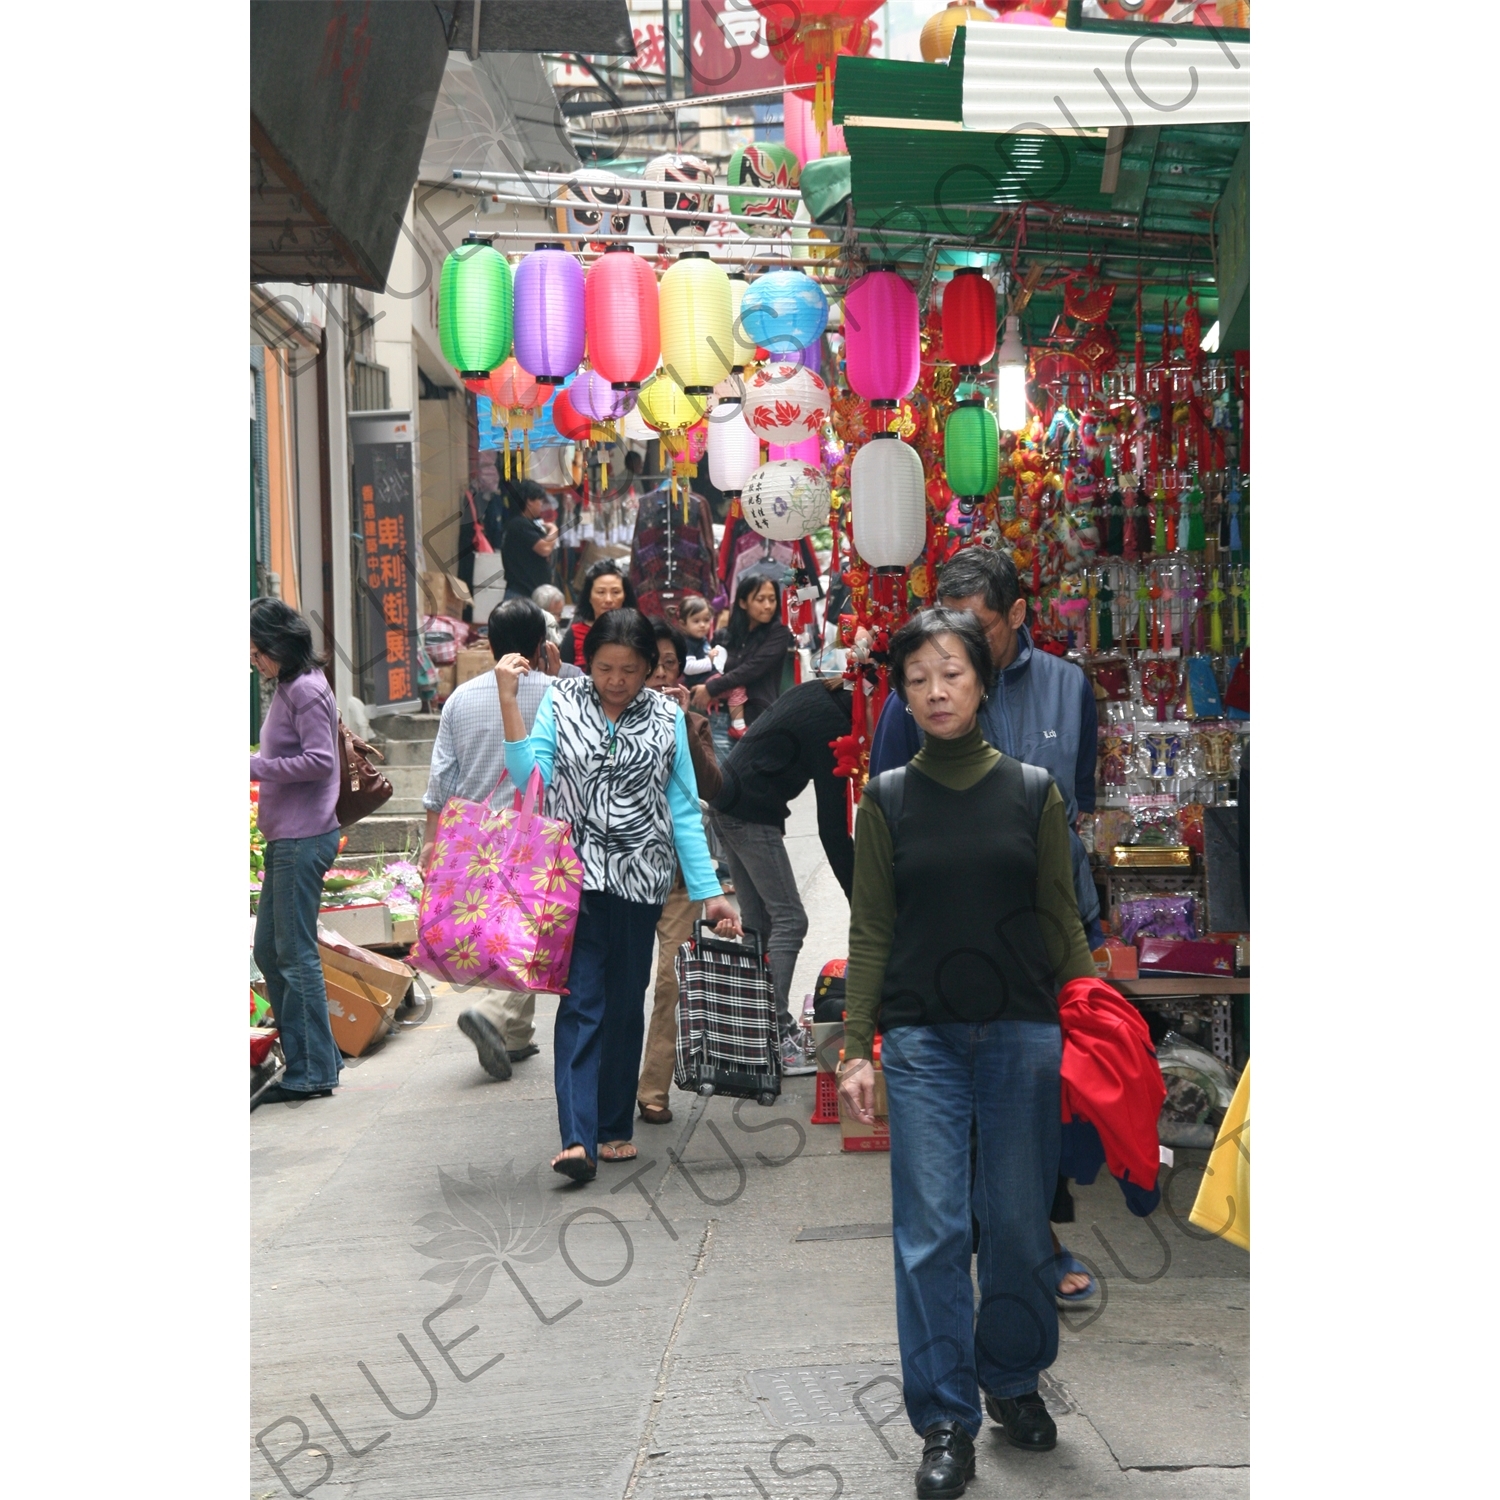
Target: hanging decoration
<point>568,420</point>
<point>882,338</point>
<point>622,318</point>
<point>549,313</point>
<point>670,411</point>
<point>971,453</point>
<point>784,312</point>
<point>475,308</point>
<point>683,185</point>
<point>808,38</point>
<point>786,500</point>
<point>888,496</point>
<point>744,349</point>
<point>697,322</point>
<point>969,313</point>
<point>937,31</point>
<point>763,164</point>
<point>514,397</point>
<point>595,205</point>
<point>733,449</point>
<point>785,403</point>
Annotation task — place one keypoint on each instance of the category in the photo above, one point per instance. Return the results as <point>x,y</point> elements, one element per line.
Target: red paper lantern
<point>569,421</point>
<point>969,319</point>
<point>621,315</point>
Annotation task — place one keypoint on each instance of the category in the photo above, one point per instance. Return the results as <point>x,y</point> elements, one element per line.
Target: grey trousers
<point>769,902</point>
<point>511,1012</point>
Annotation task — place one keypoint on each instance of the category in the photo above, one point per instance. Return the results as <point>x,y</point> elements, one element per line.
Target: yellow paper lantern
<point>744,352</point>
<point>697,323</point>
<point>937,31</point>
<point>665,407</point>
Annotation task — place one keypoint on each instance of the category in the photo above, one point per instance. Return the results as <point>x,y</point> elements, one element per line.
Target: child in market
<point>698,626</point>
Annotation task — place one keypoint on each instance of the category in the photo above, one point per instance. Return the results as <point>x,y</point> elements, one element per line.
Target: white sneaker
<point>794,1058</point>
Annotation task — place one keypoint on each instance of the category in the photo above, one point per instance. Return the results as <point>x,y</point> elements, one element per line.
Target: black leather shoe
<point>278,1095</point>
<point>520,1054</point>
<point>488,1043</point>
<point>947,1461</point>
<point>1024,1420</point>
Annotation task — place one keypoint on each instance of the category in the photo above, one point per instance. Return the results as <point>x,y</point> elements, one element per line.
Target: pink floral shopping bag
<point>501,898</point>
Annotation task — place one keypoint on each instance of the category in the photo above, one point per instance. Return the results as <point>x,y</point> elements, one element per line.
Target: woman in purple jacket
<point>297,769</point>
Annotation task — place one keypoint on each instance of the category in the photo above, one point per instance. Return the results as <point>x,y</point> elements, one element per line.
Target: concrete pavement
<point>714,1320</point>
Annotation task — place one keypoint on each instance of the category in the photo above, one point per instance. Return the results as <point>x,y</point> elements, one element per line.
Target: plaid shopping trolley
<point>726,1018</point>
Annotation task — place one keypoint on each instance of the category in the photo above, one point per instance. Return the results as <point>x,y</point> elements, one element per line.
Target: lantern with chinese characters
<point>785,403</point>
<point>970,319</point>
<point>744,349</point>
<point>733,449</point>
<point>677,186</point>
<point>622,318</point>
<point>971,453</point>
<point>938,29</point>
<point>784,311</point>
<point>549,313</point>
<point>760,165</point>
<point>697,323</point>
<point>786,500</point>
<point>475,308</point>
<point>888,496</point>
<point>882,338</point>
<point>568,420</point>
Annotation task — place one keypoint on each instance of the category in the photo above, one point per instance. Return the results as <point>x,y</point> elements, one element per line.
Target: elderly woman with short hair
<point>963,927</point>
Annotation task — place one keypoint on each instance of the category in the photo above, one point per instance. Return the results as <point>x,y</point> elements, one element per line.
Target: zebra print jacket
<point>627,789</point>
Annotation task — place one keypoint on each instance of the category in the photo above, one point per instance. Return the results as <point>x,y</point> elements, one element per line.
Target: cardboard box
<point>860,1137</point>
<point>1164,956</point>
<point>366,922</point>
<point>828,1042</point>
<point>359,1014</point>
<point>374,970</point>
<point>1117,960</point>
<point>444,594</point>
<point>474,661</point>
<point>447,680</point>
<point>403,929</point>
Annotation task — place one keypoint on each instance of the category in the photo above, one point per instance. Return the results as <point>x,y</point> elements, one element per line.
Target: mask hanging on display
<point>677,185</point>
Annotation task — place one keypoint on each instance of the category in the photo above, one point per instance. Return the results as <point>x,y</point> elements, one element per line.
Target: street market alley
<point>716,1319</point>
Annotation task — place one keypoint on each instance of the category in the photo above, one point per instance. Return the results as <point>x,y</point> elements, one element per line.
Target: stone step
<point>394,834</point>
<point>405,753</point>
<point>406,781</point>
<point>405,807</point>
<point>407,726</point>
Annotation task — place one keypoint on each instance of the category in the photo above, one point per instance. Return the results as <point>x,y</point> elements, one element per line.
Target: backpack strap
<point>888,790</point>
<point>1037,781</point>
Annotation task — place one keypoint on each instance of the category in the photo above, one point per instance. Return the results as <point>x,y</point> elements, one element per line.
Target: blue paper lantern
<point>784,311</point>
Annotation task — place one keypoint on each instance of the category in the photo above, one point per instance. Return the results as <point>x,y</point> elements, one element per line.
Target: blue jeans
<point>286,952</point>
<point>1004,1076</point>
<point>601,1021</point>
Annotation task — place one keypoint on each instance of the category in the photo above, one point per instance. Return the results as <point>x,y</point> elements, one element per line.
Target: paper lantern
<point>744,349</point>
<point>568,420</point>
<point>634,426</point>
<point>733,449</point>
<point>602,207</point>
<point>882,340</point>
<point>665,407</point>
<point>509,388</point>
<point>937,30</point>
<point>785,403</point>
<point>887,494</point>
<point>810,358</point>
<point>622,318</point>
<point>549,314</point>
<point>763,164</point>
<point>808,451</point>
<point>971,453</point>
<point>970,319</point>
<point>686,185</point>
<point>475,308</point>
<point>801,130</point>
<point>593,396</point>
<point>784,311</point>
<point>697,322</point>
<point>785,501</point>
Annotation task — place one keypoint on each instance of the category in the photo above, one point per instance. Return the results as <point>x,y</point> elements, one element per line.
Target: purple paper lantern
<point>549,314</point>
<point>594,397</point>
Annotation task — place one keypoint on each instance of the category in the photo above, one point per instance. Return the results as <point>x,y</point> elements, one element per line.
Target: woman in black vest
<point>963,926</point>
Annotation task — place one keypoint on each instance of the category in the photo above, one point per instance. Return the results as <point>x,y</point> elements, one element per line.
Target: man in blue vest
<point>1042,710</point>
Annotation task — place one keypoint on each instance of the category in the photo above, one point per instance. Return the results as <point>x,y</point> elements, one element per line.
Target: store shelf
<point>1160,986</point>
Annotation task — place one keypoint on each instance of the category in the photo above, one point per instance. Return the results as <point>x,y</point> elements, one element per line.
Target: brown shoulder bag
<point>362,789</point>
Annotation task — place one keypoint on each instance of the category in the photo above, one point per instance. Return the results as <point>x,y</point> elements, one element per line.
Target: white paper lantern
<point>634,427</point>
<point>733,450</point>
<point>785,403</point>
<point>785,500</point>
<point>888,495</point>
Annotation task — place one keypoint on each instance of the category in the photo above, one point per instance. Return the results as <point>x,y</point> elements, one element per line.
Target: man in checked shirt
<point>468,761</point>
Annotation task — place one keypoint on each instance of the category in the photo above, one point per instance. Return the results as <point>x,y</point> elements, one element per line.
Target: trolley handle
<point>705,937</point>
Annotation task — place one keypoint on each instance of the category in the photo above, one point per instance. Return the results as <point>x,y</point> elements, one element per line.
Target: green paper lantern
<point>971,453</point>
<point>475,309</point>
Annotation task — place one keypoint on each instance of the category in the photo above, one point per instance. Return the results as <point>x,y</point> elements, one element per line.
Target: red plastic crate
<point>826,1106</point>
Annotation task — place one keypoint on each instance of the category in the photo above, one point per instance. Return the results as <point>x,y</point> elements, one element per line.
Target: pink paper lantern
<point>882,338</point>
<point>801,130</point>
<point>808,451</point>
<point>549,314</point>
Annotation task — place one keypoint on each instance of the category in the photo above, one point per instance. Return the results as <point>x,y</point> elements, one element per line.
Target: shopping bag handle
<point>526,804</point>
<point>705,936</point>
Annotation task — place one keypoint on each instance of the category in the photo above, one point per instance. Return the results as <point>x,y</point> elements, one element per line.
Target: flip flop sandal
<point>579,1168</point>
<point>618,1151</point>
<point>1069,1265</point>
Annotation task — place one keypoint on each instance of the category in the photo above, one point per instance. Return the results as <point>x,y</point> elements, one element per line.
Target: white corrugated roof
<point>1047,78</point>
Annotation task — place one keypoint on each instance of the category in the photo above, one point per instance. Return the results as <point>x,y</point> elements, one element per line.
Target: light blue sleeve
<point>687,820</point>
<point>537,753</point>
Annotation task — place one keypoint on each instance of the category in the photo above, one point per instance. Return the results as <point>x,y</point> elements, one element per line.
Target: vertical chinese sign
<point>387,587</point>
<point>727,48</point>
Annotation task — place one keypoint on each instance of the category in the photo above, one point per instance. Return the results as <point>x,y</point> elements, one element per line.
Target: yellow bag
<point>1223,1202</point>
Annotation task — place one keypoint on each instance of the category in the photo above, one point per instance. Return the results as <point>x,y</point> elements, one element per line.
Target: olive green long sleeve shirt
<point>957,764</point>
